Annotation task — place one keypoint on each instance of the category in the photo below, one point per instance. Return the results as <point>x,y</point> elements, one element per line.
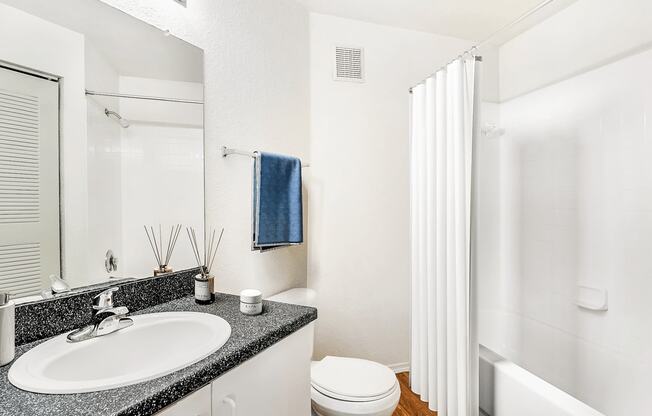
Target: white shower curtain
<point>444,120</point>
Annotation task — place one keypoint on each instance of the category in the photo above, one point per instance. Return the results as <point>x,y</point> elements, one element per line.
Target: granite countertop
<point>250,335</point>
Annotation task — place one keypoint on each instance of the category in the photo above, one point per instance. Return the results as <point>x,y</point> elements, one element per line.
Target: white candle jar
<point>251,302</point>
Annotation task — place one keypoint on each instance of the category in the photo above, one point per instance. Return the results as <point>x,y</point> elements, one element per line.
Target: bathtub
<point>509,390</point>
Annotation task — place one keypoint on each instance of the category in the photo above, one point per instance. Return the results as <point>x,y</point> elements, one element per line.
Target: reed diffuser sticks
<point>163,257</point>
<point>205,262</point>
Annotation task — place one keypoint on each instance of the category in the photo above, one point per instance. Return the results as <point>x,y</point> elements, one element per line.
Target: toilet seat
<point>352,379</point>
<point>353,387</point>
<point>327,406</point>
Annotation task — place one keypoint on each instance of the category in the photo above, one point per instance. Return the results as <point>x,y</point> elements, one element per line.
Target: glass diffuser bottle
<point>204,280</point>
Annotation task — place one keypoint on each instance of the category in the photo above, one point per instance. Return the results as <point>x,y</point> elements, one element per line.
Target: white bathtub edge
<point>509,390</point>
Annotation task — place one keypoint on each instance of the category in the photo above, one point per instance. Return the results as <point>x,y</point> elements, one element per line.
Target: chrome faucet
<point>107,318</point>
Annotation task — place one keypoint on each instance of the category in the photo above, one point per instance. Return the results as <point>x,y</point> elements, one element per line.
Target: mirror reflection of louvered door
<point>29,182</point>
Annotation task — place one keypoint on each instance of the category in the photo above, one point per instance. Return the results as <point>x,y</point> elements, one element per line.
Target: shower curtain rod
<point>488,38</point>
<point>144,97</point>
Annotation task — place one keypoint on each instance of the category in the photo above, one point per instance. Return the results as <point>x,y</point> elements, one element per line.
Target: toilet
<point>342,386</point>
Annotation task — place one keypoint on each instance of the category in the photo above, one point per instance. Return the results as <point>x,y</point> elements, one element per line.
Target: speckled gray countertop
<point>250,335</point>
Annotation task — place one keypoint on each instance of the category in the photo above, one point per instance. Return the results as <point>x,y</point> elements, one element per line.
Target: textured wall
<point>359,253</point>
<point>257,97</point>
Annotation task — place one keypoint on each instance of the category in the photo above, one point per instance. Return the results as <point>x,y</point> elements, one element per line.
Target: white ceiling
<point>133,47</point>
<point>473,20</point>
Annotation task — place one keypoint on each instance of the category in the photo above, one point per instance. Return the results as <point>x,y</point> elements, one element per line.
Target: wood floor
<point>410,404</point>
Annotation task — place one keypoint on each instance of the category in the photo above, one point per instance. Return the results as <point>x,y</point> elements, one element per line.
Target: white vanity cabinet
<point>276,382</point>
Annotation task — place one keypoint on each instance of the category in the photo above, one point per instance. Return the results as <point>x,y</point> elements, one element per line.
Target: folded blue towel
<point>278,209</point>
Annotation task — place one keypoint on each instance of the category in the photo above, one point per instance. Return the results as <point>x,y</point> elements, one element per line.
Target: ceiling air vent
<point>349,64</point>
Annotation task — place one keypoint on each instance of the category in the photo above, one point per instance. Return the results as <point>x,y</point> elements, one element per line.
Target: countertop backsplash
<point>46,318</point>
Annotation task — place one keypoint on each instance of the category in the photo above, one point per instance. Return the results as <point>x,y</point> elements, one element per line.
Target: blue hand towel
<point>278,208</point>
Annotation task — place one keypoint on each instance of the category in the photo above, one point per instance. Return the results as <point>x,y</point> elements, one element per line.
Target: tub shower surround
<point>170,293</point>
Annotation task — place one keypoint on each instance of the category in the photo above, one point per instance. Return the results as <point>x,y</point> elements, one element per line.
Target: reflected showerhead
<point>124,123</point>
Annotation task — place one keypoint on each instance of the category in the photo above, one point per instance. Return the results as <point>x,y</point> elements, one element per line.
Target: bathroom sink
<point>155,345</point>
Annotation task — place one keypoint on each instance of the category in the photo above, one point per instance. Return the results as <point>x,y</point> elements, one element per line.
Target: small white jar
<point>251,302</point>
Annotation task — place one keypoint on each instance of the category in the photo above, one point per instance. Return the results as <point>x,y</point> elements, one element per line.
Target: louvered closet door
<point>29,182</point>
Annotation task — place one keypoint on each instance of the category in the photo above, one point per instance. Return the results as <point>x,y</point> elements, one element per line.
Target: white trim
<point>400,367</point>
<point>29,71</point>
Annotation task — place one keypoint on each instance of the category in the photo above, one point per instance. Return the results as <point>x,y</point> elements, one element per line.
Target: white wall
<point>488,215</point>
<point>257,97</point>
<point>61,53</point>
<point>574,205</point>
<point>587,34</point>
<point>358,185</point>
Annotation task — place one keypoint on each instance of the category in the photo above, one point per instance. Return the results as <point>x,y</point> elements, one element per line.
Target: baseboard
<point>400,367</point>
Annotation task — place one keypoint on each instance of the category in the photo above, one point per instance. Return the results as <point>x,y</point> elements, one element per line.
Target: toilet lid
<point>352,379</point>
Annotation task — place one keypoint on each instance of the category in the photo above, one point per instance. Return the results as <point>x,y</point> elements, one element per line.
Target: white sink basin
<point>155,345</point>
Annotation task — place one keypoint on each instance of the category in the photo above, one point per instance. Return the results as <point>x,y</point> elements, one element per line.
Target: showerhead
<point>124,123</point>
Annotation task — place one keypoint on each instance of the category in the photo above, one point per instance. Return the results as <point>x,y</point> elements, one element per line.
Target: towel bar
<point>228,151</point>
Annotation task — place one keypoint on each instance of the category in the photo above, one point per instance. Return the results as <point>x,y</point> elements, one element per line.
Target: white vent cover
<point>349,64</point>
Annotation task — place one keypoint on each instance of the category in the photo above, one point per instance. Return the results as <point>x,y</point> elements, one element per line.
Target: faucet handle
<point>105,299</point>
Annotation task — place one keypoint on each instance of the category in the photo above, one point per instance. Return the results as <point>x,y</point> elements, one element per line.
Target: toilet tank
<point>298,296</point>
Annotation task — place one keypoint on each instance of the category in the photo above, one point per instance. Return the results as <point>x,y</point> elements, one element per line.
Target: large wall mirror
<point>99,137</point>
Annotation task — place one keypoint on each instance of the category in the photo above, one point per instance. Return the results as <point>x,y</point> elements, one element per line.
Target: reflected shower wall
<point>162,166</point>
<point>150,173</point>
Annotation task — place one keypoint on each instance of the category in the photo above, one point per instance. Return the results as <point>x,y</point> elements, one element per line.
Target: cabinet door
<point>275,382</point>
<point>197,404</point>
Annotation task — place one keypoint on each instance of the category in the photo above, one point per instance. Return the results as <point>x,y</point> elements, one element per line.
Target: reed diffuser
<point>157,245</point>
<point>205,281</point>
